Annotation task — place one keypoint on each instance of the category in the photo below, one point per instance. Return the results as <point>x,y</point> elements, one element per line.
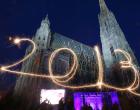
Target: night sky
<point>77,19</point>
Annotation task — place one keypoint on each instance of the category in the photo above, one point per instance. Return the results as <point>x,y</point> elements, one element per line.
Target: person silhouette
<point>89,107</point>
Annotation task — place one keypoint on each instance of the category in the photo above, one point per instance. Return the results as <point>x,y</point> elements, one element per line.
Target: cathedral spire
<point>103,8</point>
<point>112,37</point>
<point>43,34</point>
<point>46,21</point>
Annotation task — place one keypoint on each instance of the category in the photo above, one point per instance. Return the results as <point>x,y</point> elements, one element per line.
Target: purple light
<point>114,98</point>
<point>95,99</point>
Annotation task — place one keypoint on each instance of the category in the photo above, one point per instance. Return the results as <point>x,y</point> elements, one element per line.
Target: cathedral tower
<point>112,37</point>
<point>27,89</point>
<point>43,34</point>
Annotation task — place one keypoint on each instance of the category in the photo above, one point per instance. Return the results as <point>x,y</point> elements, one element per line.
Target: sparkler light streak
<point>62,80</point>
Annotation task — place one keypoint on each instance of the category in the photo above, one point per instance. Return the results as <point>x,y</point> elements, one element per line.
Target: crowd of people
<point>7,104</point>
<point>69,106</point>
<point>61,106</point>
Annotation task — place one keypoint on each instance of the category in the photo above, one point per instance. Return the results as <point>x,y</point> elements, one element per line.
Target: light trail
<point>100,66</point>
<point>17,41</point>
<point>69,75</point>
<point>62,80</point>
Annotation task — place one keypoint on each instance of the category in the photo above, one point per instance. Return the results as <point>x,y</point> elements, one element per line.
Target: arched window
<point>39,38</point>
